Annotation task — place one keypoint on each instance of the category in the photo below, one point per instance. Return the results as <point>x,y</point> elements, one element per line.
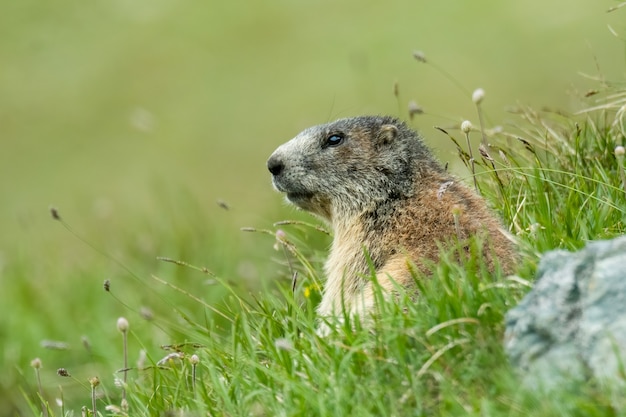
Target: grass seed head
<point>55,213</point>
<point>478,95</point>
<point>414,109</point>
<point>113,408</point>
<point>146,313</point>
<point>86,343</point>
<point>36,363</point>
<point>419,55</point>
<point>122,325</point>
<point>281,235</point>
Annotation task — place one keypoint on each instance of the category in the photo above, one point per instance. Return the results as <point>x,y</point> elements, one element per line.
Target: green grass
<point>554,179</point>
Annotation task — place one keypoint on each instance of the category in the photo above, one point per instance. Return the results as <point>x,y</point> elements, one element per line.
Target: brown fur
<point>384,193</point>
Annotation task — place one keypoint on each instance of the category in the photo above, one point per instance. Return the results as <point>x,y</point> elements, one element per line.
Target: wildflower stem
<point>481,122</point>
<point>122,326</point>
<point>94,382</point>
<point>477,97</point>
<point>62,401</point>
<point>466,127</point>
<point>619,155</point>
<point>125,342</point>
<point>37,365</point>
<point>93,401</point>
<point>194,360</point>
<point>193,377</point>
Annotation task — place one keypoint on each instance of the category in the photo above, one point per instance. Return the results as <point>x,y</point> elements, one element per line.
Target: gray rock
<point>572,325</point>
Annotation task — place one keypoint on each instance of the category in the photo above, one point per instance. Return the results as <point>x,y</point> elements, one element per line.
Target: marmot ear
<point>387,134</point>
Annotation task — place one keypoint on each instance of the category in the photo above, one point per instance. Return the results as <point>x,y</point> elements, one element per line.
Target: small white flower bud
<point>414,109</point>
<point>466,126</point>
<point>36,363</point>
<point>478,95</point>
<point>194,359</point>
<point>122,325</point>
<point>619,151</point>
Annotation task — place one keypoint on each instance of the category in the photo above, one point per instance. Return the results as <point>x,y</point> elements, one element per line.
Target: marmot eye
<point>334,140</point>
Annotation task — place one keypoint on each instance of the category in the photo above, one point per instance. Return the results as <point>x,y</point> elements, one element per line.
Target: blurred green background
<point>103,104</point>
<point>134,117</point>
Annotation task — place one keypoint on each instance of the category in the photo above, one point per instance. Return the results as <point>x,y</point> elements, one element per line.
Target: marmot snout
<point>377,184</point>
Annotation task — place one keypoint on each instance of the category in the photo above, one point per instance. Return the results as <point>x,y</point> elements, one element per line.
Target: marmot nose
<point>275,165</point>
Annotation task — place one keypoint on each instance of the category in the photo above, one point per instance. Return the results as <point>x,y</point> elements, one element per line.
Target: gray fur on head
<point>350,165</point>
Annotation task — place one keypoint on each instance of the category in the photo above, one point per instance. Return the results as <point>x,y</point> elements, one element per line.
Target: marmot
<point>384,194</point>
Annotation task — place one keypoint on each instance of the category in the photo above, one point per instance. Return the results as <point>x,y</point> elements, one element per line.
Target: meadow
<point>146,125</point>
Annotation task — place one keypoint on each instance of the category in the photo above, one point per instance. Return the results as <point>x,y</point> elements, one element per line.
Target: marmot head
<point>345,167</point>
